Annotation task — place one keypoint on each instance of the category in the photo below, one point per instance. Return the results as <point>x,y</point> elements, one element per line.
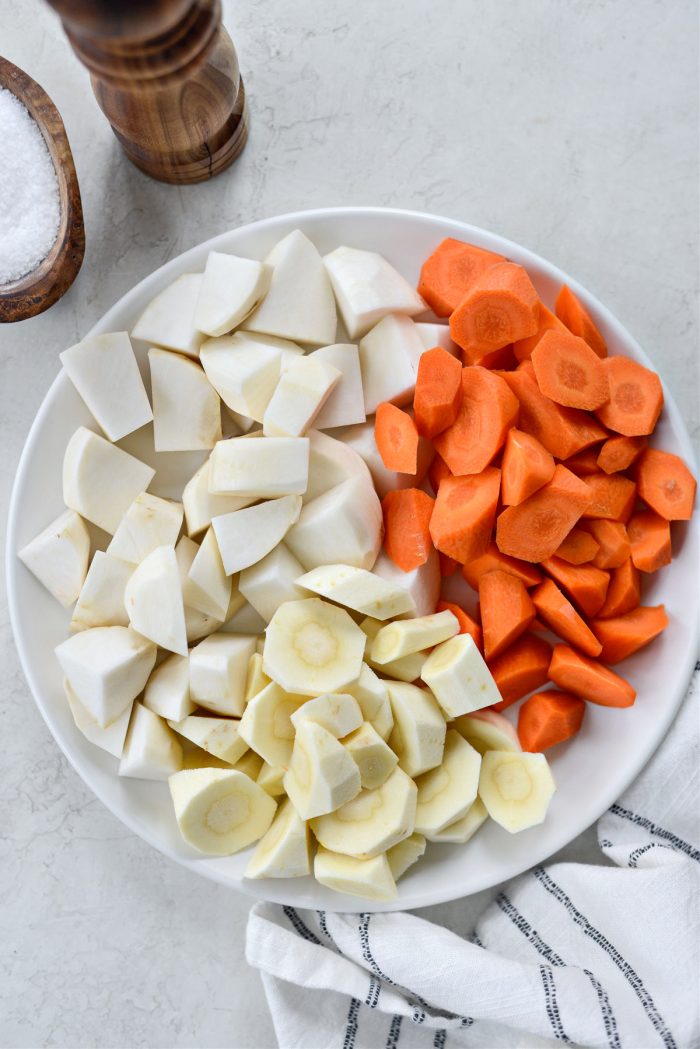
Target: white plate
<point>591,772</point>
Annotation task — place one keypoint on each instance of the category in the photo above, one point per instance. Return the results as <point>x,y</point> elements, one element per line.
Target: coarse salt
<point>29,203</point>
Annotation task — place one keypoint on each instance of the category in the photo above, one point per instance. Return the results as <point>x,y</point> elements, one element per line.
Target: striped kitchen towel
<point>588,954</point>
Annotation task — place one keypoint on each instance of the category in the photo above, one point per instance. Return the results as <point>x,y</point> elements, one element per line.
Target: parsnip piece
<point>266,724</point>
<point>110,738</point>
<point>167,691</point>
<point>201,506</point>
<point>153,599</point>
<point>360,438</point>
<point>487,730</point>
<point>407,668</point>
<point>168,320</point>
<point>346,403</point>
<point>218,736</point>
<point>271,779</point>
<point>104,371</point>
<point>207,587</point>
<point>246,536</point>
<point>423,583</point>
<point>272,581</point>
<point>194,757</point>
<point>100,481</point>
<point>58,557</point>
<point>372,695</point>
<point>148,523</point>
<point>516,788</point>
<point>304,386</point>
<point>389,356</point>
<point>312,647</point>
<point>285,850</point>
<point>418,736</point>
<point>373,821</point>
<point>260,469</point>
<point>436,335</point>
<point>369,878</point>
<point>367,288</point>
<point>186,407</point>
<point>458,676</point>
<point>321,775</point>
<point>256,679</point>
<point>447,792</point>
<point>358,589</point>
<point>339,713</point>
<point>231,287</point>
<point>197,624</point>
<point>404,854</point>
<point>218,667</point>
<point>151,750</point>
<point>330,463</point>
<point>220,812</point>
<point>462,829</point>
<point>101,599</point>
<point>251,763</point>
<point>407,636</point>
<point>244,369</point>
<point>342,526</point>
<point>373,757</point>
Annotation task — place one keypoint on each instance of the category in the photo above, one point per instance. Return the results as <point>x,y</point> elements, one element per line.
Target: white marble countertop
<point>570,127</point>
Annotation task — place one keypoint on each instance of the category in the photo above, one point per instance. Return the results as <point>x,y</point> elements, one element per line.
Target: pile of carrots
<point>547,495</point>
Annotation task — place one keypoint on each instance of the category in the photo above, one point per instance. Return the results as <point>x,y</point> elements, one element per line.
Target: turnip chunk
<point>423,583</point>
<point>389,356</point>
<point>186,407</point>
<point>201,505</point>
<point>100,481</point>
<point>153,599</point>
<point>218,670</point>
<point>437,335</point>
<point>244,369</point>
<point>331,462</point>
<point>270,582</point>
<point>246,536</point>
<point>231,288</point>
<point>149,522</point>
<point>101,599</point>
<point>260,469</point>
<point>367,288</point>
<point>151,750</point>
<point>346,403</point>
<point>58,556</point>
<point>110,738</point>
<point>304,387</point>
<point>168,320</point>
<point>342,526</point>
<point>167,691</point>
<point>207,588</point>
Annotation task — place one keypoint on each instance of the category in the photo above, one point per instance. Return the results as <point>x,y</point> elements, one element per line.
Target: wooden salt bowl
<point>52,278</point>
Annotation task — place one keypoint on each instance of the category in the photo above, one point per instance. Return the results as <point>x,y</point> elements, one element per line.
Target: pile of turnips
<point>252,644</point>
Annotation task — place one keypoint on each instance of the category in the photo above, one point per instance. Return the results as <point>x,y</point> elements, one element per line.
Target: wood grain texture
<point>52,278</point>
<point>165,74</point>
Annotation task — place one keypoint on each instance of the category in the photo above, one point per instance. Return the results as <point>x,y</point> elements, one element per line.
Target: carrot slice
<point>487,412</point>
<point>547,322</point>
<point>624,591</point>
<point>613,542</point>
<point>548,718</point>
<point>622,636</point>
<point>618,453</point>
<point>438,470</point>
<point>449,273</point>
<point>504,359</point>
<point>562,618</point>
<point>533,530</point>
<point>464,513</point>
<point>506,611</point>
<point>666,484</point>
<point>522,667</point>
<point>407,516</point>
<point>583,463</point>
<point>650,541</point>
<point>467,625</point>
<point>578,548</point>
<point>569,372</point>
<point>586,586</point>
<point>438,391</point>
<point>493,560</point>
<point>589,679</point>
<point>448,565</point>
<point>562,431</point>
<point>500,307</point>
<point>636,398</point>
<point>612,496</point>
<point>578,320</point>
<point>526,467</point>
<point>396,438</point>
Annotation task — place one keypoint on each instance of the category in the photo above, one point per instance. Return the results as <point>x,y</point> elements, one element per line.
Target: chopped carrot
<point>589,679</point>
<point>438,470</point>
<point>407,516</point>
<point>449,273</point>
<point>636,398</point>
<point>396,438</point>
<point>526,467</point>
<point>464,513</point>
<point>586,586</point>
<point>578,320</point>
<point>650,540</point>
<point>624,592</point>
<point>487,412</point>
<point>522,667</point>
<point>569,372</point>
<point>622,636</point>
<point>448,565</point>
<point>548,718</point>
<point>533,530</point>
<point>666,484</point>
<point>492,560</point>
<point>578,548</point>
<point>438,392</point>
<point>504,359</point>
<point>467,625</point>
<point>562,431</point>
<point>583,463</point>
<point>538,627</point>
<point>612,496</point>
<point>613,542</point>
<point>547,322</point>
<point>506,611</point>
<point>562,618</point>
<point>499,308</point>
<point>618,453</point>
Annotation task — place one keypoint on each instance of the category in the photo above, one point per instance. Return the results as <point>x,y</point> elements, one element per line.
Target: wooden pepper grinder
<point>165,74</point>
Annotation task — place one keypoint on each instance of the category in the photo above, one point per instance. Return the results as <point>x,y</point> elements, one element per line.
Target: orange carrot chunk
<point>464,513</point>
<point>548,718</point>
<point>586,586</point>
<point>613,542</point>
<point>438,470</point>
<point>583,463</point>
<point>487,412</point>
<point>612,496</point>
<point>636,398</point>
<point>522,667</point>
<point>621,636</point>
<point>449,273</point>
<point>523,348</point>
<point>438,392</point>
<point>562,618</point>
<point>396,438</point>
<point>506,611</point>
<point>500,307</point>
<point>589,679</point>
<point>624,592</point>
<point>407,516</point>
<point>533,530</point>
<point>666,484</point>
<point>618,453</point>
<point>578,548</point>
<point>503,358</point>
<point>578,320</point>
<point>526,467</point>
<point>650,541</point>
<point>448,565</point>
<point>492,560</point>
<point>467,625</point>
<point>569,372</point>
<point>562,431</point>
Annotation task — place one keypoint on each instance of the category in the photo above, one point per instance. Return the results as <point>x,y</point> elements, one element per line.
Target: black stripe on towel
<point>658,832</point>
<point>372,998</point>
<point>299,926</point>
<point>550,1004</point>
<point>363,929</point>
<point>394,1033</point>
<point>440,1039</point>
<point>351,1027</point>
<point>625,968</point>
